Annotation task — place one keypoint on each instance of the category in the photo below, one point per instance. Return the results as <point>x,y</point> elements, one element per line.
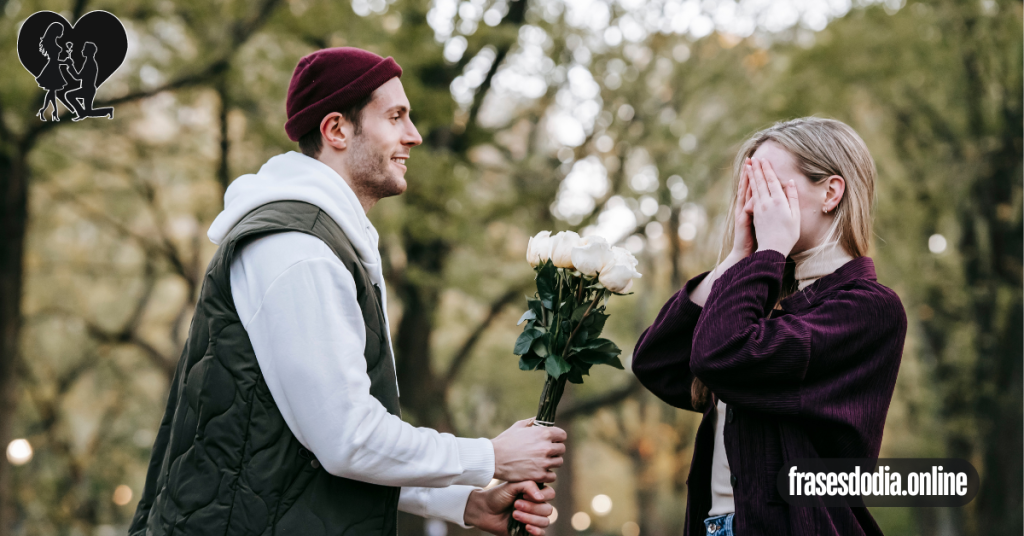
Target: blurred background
<point>611,117</point>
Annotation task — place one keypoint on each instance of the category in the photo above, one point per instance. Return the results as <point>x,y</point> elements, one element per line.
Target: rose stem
<point>568,343</point>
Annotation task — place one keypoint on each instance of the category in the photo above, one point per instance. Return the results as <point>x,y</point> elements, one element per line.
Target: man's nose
<point>412,136</point>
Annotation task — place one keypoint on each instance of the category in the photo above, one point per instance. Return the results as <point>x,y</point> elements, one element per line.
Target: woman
<point>789,347</point>
<point>50,78</point>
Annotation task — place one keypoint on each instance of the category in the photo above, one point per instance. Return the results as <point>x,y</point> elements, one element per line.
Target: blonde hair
<point>822,148</point>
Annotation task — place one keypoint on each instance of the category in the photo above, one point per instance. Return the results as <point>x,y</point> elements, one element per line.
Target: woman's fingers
<point>743,189</point>
<point>774,186</point>
<point>761,193</point>
<point>749,206</point>
<point>794,199</point>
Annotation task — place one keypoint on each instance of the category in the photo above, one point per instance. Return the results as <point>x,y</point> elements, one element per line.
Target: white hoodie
<point>297,302</point>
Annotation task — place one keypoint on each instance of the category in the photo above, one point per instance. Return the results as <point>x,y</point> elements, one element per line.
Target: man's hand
<point>489,509</point>
<point>525,452</point>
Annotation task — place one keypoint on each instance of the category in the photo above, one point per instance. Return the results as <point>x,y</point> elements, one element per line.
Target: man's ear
<point>336,131</point>
<point>834,193</point>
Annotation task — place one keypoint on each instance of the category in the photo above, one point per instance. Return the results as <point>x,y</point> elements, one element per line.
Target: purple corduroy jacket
<point>813,379</point>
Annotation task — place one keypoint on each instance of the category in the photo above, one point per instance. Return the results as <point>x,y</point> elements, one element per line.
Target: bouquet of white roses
<point>575,278</point>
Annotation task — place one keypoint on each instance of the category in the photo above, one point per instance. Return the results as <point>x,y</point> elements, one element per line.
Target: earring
<point>824,209</point>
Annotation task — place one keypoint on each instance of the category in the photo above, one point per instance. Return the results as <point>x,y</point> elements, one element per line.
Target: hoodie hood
<point>294,176</point>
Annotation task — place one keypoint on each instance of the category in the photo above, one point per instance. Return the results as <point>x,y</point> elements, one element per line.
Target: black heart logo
<point>101,28</point>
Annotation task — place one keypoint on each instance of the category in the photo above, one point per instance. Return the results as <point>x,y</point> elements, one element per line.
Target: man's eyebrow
<point>398,108</point>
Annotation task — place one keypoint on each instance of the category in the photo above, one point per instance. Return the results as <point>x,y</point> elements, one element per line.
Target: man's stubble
<point>371,171</point>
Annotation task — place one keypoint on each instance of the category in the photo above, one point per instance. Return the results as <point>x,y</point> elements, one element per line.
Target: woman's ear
<point>834,193</point>
<point>336,131</point>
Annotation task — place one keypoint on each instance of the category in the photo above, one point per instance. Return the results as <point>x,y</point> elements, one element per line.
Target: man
<point>283,416</point>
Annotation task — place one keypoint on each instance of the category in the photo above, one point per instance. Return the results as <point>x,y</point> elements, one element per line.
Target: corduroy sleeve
<point>749,358</point>
<point>741,354</point>
<point>661,360</point>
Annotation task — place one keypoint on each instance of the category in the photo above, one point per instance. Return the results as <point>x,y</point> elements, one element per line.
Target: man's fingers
<point>557,434</point>
<point>546,477</point>
<point>530,519</point>
<point>556,449</point>
<point>531,491</point>
<point>525,423</point>
<point>537,509</point>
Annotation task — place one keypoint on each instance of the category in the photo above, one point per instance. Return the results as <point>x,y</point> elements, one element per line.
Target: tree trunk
<point>13,217</point>
<point>992,270</point>
<point>422,391</point>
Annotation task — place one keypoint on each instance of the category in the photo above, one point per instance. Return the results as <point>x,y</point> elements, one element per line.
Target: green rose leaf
<point>565,308</point>
<point>546,282</point>
<point>563,336</point>
<point>600,352</point>
<point>578,312</point>
<point>530,362</point>
<point>556,366</point>
<point>603,346</point>
<point>528,315</point>
<point>537,307</point>
<point>595,324</point>
<point>525,340</point>
<point>575,376</point>
<point>593,357</point>
<point>540,346</point>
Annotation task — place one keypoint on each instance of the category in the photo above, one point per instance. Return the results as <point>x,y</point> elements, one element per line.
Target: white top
<point>297,302</point>
<point>811,265</point>
<point>721,487</point>
<point>817,262</point>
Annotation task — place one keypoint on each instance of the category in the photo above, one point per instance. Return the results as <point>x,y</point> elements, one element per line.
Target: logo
<point>917,482</point>
<point>70,62</point>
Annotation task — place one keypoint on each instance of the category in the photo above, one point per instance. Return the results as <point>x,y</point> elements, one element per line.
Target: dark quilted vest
<point>225,463</point>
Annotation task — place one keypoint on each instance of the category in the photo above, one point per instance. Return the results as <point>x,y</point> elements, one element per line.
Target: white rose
<point>591,255</point>
<point>538,249</point>
<point>561,248</point>
<point>622,256</point>
<point>618,277</point>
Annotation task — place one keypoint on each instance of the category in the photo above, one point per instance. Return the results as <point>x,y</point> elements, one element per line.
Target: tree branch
<point>462,356</point>
<point>163,247</point>
<point>223,173</point>
<point>587,407</point>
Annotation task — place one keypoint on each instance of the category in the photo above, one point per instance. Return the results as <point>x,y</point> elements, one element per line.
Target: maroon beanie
<point>329,80</point>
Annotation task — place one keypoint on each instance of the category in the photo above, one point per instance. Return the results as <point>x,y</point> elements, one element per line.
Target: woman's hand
<point>776,210</point>
<point>744,241</point>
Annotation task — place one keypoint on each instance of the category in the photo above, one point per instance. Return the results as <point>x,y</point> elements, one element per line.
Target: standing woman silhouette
<point>51,78</point>
<point>789,347</point>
